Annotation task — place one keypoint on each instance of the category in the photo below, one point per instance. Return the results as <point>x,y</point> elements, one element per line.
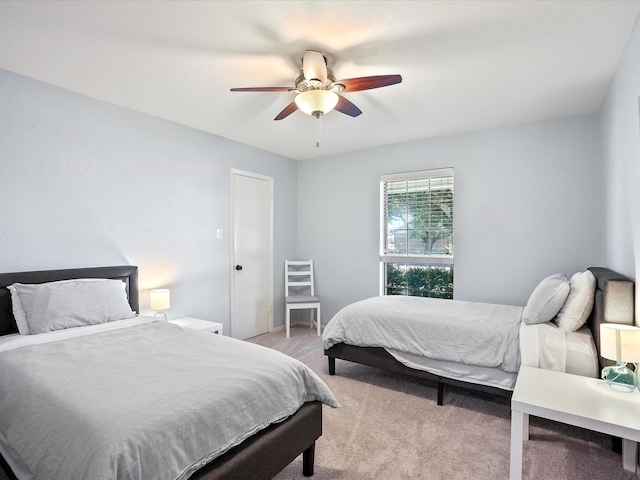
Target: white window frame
<point>385,258</point>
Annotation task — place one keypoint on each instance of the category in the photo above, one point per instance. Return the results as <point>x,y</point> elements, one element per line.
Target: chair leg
<point>319,321</point>
<point>287,321</point>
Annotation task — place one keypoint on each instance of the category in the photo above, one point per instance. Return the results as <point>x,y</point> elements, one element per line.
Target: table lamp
<point>620,343</point>
<point>160,300</point>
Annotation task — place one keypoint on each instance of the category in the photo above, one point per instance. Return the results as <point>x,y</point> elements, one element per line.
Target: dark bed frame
<point>262,456</point>
<point>612,290</point>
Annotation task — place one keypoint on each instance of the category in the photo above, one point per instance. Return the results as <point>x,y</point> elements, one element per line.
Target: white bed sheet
<point>549,347</point>
<point>493,377</point>
<point>15,340</point>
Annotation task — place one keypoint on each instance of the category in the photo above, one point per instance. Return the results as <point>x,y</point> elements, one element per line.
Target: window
<point>416,233</point>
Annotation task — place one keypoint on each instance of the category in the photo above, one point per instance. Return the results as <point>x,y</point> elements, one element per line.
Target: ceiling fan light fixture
<point>317,102</point>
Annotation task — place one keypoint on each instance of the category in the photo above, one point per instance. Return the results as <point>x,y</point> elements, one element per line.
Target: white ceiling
<point>465,65</point>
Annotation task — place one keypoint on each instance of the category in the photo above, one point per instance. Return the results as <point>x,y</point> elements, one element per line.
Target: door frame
<point>232,262</point>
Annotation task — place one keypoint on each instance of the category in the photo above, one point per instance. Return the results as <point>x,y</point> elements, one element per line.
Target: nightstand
<point>581,401</point>
<point>198,324</point>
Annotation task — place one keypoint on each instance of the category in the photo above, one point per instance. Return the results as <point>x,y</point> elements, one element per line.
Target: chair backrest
<point>298,277</point>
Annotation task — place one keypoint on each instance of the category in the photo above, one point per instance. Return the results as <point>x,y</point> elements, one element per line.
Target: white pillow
<point>546,300</point>
<point>72,303</point>
<point>18,311</point>
<point>579,303</point>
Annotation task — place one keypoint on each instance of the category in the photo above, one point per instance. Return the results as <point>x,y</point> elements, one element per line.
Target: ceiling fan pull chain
<point>318,130</point>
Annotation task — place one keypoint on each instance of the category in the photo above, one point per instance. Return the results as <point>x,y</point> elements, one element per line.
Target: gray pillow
<point>546,300</point>
<point>18,311</point>
<point>576,309</point>
<point>72,303</point>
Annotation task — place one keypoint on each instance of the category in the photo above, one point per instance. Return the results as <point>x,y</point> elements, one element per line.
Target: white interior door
<point>252,254</point>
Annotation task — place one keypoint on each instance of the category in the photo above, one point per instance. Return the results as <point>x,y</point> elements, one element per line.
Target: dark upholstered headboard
<point>126,273</point>
<point>614,302</point>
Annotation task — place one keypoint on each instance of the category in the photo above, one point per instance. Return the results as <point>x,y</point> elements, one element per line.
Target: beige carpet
<point>389,427</point>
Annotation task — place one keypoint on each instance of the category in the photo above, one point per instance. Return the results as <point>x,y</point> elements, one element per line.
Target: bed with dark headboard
<point>614,302</point>
<point>261,456</point>
<point>127,273</point>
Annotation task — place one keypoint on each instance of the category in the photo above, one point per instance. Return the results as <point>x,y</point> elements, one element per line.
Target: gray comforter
<point>472,333</point>
<point>152,401</point>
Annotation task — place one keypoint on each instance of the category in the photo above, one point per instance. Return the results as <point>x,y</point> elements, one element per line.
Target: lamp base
<point>620,377</point>
<point>161,316</point>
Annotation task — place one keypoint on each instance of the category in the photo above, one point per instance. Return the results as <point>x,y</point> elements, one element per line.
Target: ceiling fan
<point>318,92</point>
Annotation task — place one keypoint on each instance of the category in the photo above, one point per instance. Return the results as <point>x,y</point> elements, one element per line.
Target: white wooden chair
<point>299,291</point>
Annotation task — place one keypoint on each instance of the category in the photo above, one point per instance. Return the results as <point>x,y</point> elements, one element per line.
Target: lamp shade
<point>160,299</point>
<point>316,102</point>
<point>620,342</point>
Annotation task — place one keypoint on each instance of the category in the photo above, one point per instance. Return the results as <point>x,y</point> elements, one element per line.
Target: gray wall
<point>86,183</point>
<point>527,205</point>
<point>620,131</point>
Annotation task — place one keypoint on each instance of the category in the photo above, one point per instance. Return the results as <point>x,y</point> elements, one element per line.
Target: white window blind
<point>417,233</point>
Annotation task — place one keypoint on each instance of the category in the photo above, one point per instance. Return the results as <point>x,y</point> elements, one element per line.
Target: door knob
<point>238,267</point>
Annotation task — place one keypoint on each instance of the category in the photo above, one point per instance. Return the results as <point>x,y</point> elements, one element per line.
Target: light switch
<point>219,234</point>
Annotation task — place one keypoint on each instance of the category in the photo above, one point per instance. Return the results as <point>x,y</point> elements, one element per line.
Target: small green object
<point>620,377</point>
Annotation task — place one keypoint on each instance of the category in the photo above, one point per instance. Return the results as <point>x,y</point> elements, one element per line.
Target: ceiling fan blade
<point>262,89</point>
<point>314,66</point>
<point>288,110</point>
<point>367,83</point>
<point>347,107</point>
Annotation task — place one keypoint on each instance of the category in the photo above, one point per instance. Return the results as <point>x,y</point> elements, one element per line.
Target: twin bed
<point>481,346</point>
<point>89,396</point>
